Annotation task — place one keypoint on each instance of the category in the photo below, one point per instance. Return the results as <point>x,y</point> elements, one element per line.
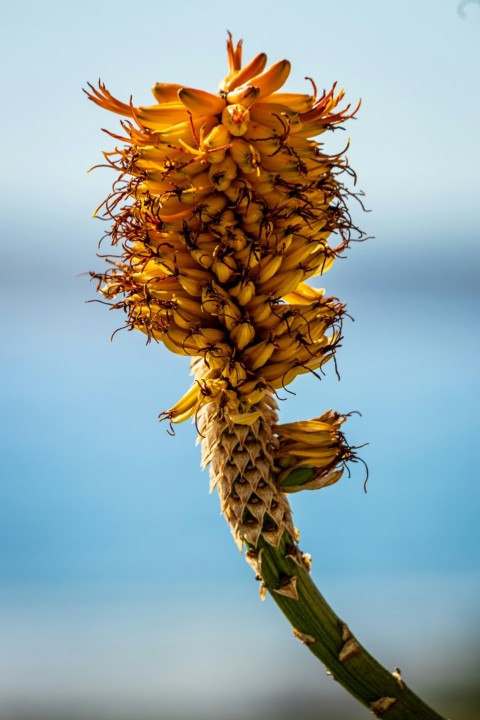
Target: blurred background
<point>122,594</point>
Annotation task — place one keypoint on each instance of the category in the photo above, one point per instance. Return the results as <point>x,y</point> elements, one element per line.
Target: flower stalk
<point>316,625</point>
<point>224,206</point>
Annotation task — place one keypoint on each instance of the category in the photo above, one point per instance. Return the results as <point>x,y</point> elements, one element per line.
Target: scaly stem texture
<point>241,459</point>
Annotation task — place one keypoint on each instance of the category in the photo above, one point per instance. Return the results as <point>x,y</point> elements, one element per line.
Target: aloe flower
<point>225,205</point>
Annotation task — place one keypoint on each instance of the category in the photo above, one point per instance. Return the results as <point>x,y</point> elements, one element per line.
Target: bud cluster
<point>223,209</point>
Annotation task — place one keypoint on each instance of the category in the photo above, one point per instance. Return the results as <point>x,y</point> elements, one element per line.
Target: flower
<point>223,208</point>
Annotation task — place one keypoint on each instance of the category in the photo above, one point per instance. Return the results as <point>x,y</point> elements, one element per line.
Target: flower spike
<point>225,206</point>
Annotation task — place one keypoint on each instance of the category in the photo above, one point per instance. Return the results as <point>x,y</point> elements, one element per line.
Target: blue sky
<point>96,496</point>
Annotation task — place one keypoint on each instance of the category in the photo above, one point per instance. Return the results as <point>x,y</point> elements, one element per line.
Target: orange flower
<point>223,209</point>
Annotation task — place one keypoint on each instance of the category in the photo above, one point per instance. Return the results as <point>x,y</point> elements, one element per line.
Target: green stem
<point>330,640</point>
